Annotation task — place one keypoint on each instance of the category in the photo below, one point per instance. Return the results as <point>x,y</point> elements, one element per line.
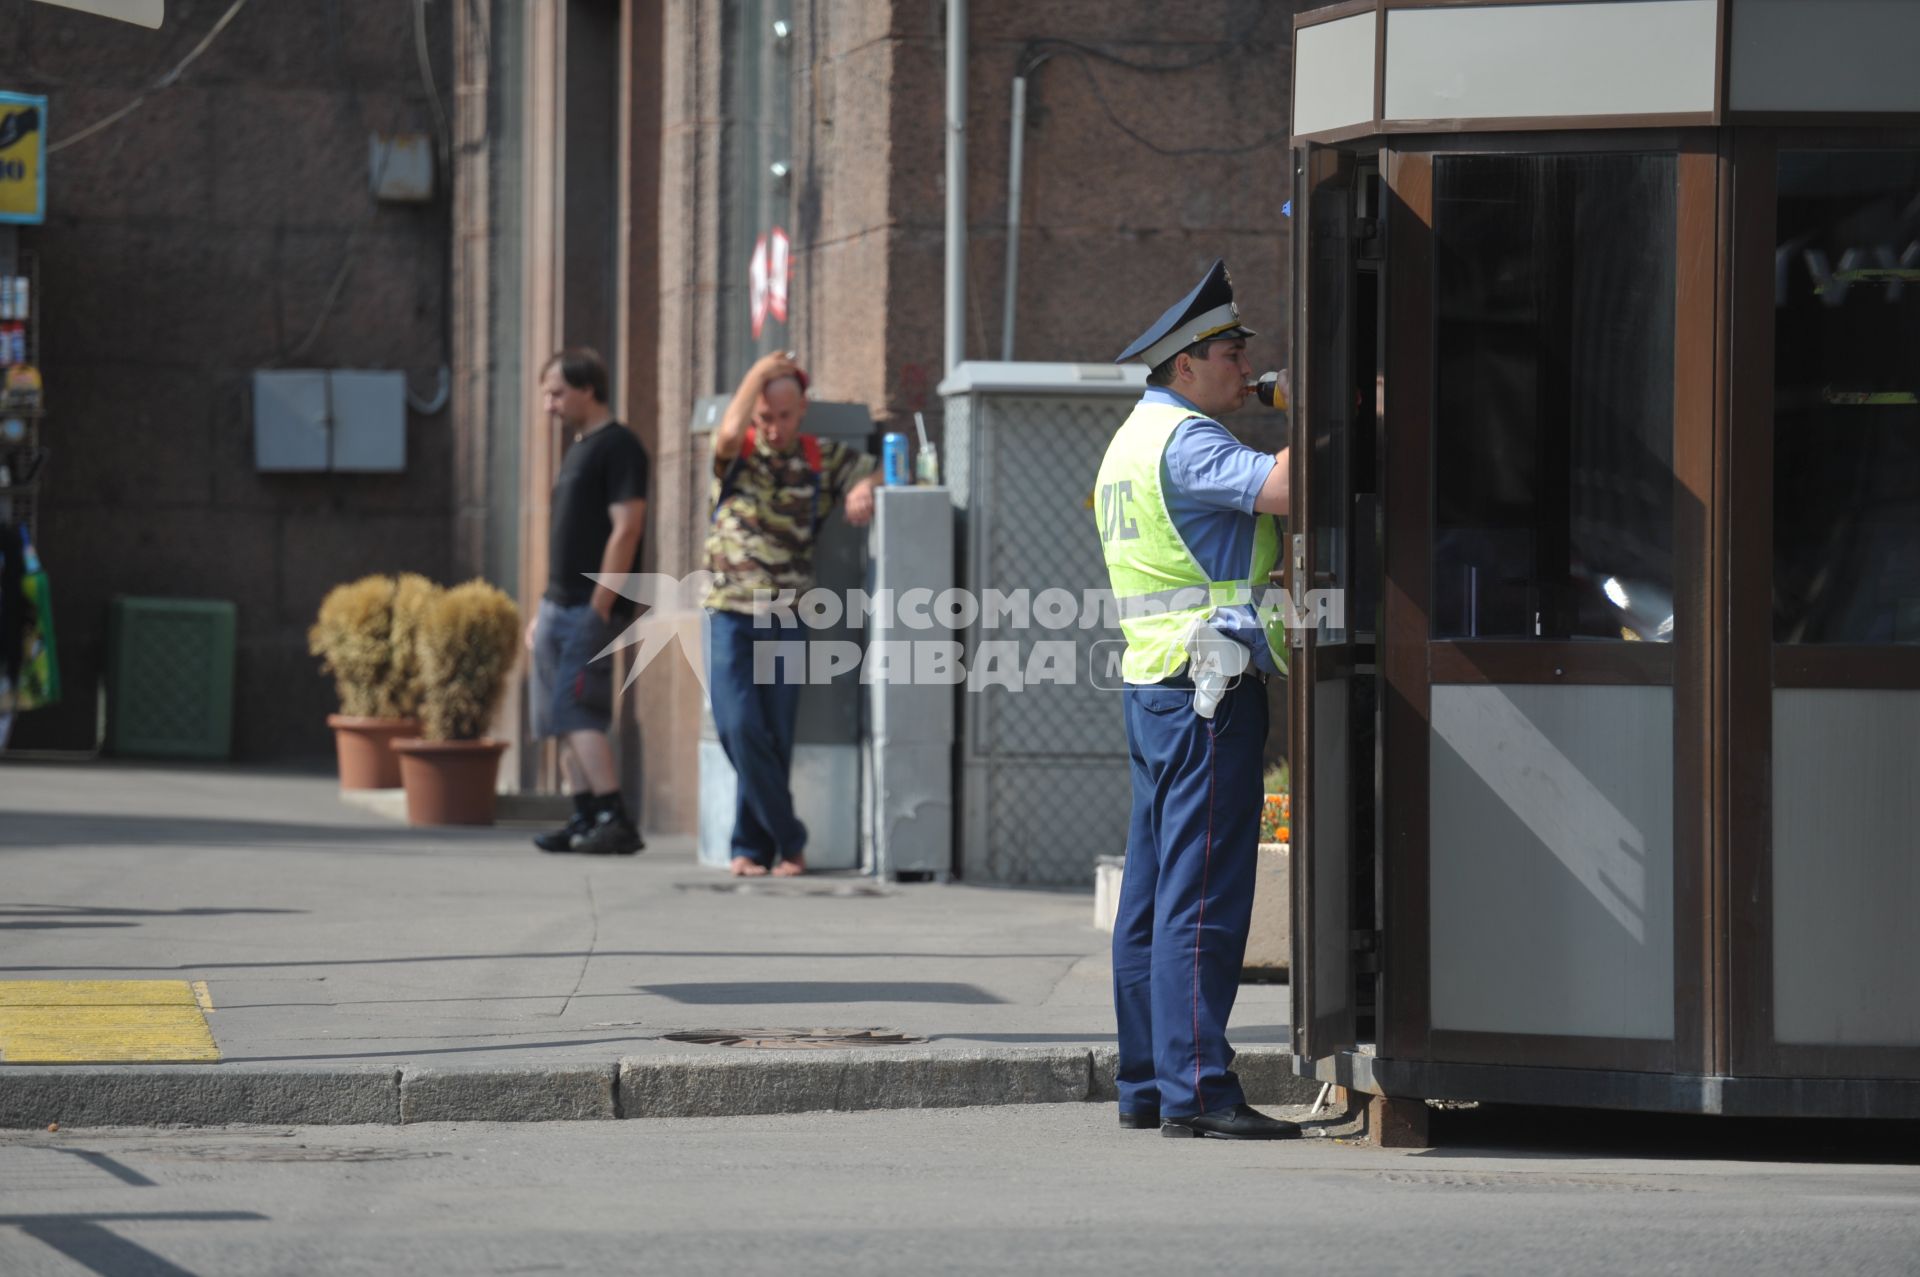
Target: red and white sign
<point>757,285</point>
<point>767,274</point>
<point>779,256</point>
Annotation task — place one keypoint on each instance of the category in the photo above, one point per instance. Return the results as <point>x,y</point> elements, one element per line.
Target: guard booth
<point>1607,345</point>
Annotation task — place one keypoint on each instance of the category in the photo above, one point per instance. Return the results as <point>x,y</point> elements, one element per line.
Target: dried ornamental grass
<point>353,637</point>
<point>468,642</point>
<point>413,594</point>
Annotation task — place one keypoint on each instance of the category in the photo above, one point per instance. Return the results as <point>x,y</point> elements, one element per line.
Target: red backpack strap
<point>809,445</point>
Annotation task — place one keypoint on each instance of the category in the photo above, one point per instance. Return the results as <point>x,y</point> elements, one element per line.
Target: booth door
<point>1824,648</point>
<point>1549,408</point>
<point>1327,189</point>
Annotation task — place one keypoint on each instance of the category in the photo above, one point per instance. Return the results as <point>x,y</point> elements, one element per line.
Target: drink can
<point>893,460</point>
<point>22,306</point>
<point>6,297</point>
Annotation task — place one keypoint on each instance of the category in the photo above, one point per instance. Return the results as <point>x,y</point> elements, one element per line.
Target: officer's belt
<point>1183,597</point>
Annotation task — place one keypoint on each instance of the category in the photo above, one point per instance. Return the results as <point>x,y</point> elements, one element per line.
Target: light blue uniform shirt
<point>1211,481</point>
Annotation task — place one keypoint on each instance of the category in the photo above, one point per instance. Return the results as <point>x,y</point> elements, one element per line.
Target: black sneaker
<point>608,834</point>
<point>561,839</point>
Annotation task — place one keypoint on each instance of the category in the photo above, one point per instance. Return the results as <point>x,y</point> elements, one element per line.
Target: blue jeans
<point>755,720</point>
<point>1186,899</point>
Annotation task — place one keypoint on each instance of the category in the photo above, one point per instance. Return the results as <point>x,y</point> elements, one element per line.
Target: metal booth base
<point>1607,1089</point>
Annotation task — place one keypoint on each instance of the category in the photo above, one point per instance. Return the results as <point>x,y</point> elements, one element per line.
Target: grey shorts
<point>571,692</point>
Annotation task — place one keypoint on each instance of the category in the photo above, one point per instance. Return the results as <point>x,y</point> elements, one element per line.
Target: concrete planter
<point>1270,938</point>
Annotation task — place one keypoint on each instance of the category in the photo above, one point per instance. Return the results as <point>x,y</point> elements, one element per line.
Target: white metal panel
<point>1333,74</point>
<point>984,376</point>
<point>1846,866</point>
<point>1332,848</point>
<point>1552,860</point>
<point>1837,55</point>
<point>824,780</point>
<point>369,411</point>
<point>143,13</point>
<point>909,751</point>
<point>1641,57</point>
<point>290,420</point>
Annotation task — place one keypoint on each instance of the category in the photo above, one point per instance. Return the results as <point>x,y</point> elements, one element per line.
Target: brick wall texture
<point>186,246</point>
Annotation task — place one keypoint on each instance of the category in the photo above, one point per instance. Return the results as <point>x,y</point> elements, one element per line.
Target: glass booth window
<point>1553,412</point>
<point>1846,379</point>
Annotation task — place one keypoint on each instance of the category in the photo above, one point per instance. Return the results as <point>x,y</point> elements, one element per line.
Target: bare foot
<point>747,867</point>
<point>791,867</point>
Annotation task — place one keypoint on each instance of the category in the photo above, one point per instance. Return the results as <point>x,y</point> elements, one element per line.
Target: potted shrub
<point>467,644</point>
<point>364,635</point>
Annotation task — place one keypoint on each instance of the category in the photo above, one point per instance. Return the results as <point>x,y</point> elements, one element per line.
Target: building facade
<point>619,162</point>
<point>224,226</point>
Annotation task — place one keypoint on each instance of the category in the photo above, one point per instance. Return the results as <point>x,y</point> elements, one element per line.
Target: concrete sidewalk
<point>362,971</point>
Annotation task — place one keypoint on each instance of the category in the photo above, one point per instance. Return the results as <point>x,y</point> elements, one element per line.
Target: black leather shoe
<point>1241,1122</point>
<point>1145,1120</point>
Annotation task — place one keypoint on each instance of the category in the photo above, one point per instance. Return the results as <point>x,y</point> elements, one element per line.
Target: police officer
<point>1187,528</point>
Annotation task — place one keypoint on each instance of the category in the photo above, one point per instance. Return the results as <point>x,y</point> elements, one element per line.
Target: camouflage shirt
<point>766,508</point>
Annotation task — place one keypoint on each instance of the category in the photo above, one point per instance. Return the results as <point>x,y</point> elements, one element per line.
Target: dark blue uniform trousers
<point>1187,895</point>
<point>755,718</point>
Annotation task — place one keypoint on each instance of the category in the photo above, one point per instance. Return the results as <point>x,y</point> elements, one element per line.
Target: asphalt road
<point>1044,1189</point>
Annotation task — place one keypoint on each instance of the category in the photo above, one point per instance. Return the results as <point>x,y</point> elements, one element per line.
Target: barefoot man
<point>772,488</point>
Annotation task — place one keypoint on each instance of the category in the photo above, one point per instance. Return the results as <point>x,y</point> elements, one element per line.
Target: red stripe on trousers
<point>1200,926</point>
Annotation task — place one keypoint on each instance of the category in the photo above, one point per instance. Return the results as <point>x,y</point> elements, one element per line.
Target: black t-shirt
<point>605,468</point>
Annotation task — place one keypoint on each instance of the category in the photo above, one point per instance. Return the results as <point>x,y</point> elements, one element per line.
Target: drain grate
<point>793,1039</point>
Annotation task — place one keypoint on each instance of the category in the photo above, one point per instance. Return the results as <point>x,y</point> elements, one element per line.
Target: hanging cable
<point>441,130</point>
<point>1093,82</point>
<point>164,82</point>
<point>1038,52</point>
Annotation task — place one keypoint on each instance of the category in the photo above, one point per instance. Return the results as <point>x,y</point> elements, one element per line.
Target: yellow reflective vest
<point>1157,582</point>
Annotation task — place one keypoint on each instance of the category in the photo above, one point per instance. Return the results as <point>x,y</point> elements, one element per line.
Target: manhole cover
<point>793,1039</point>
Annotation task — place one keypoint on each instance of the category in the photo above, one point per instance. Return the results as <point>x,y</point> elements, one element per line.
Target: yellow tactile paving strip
<point>104,1022</point>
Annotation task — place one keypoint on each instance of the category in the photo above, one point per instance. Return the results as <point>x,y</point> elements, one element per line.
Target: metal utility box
<point>910,712</point>
<point>170,678</point>
<point>339,419</point>
<point>826,750</point>
<point>1044,786</point>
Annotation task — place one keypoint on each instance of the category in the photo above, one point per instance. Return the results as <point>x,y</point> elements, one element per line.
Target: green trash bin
<point>170,678</point>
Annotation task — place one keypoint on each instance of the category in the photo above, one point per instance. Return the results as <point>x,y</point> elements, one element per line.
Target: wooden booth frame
<point>1722,664</point>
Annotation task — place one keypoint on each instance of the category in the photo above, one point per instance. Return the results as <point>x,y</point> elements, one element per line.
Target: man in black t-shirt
<point>599,508</point>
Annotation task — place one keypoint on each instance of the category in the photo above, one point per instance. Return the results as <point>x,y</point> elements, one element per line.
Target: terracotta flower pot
<point>365,749</point>
<point>449,782</point>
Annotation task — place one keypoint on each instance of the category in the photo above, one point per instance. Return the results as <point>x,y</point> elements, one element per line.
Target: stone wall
<point>191,243</point>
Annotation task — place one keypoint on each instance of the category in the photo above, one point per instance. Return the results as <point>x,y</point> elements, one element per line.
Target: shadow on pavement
<point>52,913</point>
<point>86,1241</point>
<point>411,1052</point>
<point>1516,1131</point>
<point>41,829</point>
<point>762,992</point>
<point>429,958</point>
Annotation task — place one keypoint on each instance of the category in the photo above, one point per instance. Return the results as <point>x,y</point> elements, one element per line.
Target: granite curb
<point>735,1084</point>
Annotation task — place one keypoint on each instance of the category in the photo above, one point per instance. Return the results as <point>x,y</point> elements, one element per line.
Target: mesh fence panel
<point>1052,755</point>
